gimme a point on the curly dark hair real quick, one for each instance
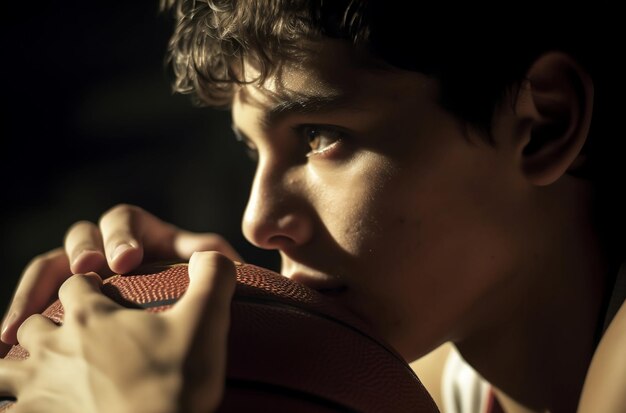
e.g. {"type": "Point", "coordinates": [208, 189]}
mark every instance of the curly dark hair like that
{"type": "Point", "coordinates": [476, 57]}
{"type": "Point", "coordinates": [212, 37]}
{"type": "Point", "coordinates": [475, 66]}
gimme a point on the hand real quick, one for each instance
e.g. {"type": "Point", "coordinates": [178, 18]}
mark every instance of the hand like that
{"type": "Point", "coordinates": [106, 358]}
{"type": "Point", "coordinates": [125, 237]}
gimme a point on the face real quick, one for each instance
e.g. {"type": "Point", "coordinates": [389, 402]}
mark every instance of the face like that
{"type": "Point", "coordinates": [375, 195]}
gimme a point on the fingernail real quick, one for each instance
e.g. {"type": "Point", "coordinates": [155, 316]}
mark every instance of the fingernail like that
{"type": "Point", "coordinates": [6, 323]}
{"type": "Point", "coordinates": [120, 249]}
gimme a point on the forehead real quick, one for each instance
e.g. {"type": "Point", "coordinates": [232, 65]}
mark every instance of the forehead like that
{"type": "Point", "coordinates": [332, 76]}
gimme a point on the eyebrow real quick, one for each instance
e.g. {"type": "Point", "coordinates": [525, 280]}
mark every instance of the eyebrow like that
{"type": "Point", "coordinates": [303, 104]}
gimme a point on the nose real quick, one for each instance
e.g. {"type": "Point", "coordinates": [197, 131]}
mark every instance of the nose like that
{"type": "Point", "coordinates": [276, 216]}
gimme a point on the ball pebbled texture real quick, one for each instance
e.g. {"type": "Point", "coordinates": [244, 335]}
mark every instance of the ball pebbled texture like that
{"type": "Point", "coordinates": [290, 348]}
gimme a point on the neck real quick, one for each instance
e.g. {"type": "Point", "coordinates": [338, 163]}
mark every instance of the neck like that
{"type": "Point", "coordinates": [538, 349]}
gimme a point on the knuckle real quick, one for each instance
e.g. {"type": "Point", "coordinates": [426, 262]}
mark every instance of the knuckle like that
{"type": "Point", "coordinates": [79, 235]}
{"type": "Point", "coordinates": [27, 323]}
{"type": "Point", "coordinates": [72, 283]}
{"type": "Point", "coordinates": [78, 279]}
{"type": "Point", "coordinates": [79, 314]}
{"type": "Point", "coordinates": [88, 308]}
{"type": "Point", "coordinates": [19, 301]}
{"type": "Point", "coordinates": [216, 242]}
{"type": "Point", "coordinates": [22, 377]}
{"type": "Point", "coordinates": [42, 262]}
{"type": "Point", "coordinates": [28, 327]}
{"type": "Point", "coordinates": [67, 284]}
{"type": "Point", "coordinates": [78, 225]}
{"type": "Point", "coordinates": [39, 261]}
{"type": "Point", "coordinates": [215, 259]}
{"type": "Point", "coordinates": [119, 210]}
{"type": "Point", "coordinates": [222, 268]}
{"type": "Point", "coordinates": [46, 265]}
{"type": "Point", "coordinates": [216, 239]}
{"type": "Point", "coordinates": [81, 246]}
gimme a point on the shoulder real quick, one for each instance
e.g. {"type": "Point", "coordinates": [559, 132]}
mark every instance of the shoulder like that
{"type": "Point", "coordinates": [606, 379]}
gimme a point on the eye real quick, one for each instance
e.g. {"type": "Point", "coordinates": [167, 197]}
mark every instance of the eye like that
{"type": "Point", "coordinates": [321, 139]}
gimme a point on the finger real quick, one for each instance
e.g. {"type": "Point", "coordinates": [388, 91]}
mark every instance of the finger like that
{"type": "Point", "coordinates": [186, 243]}
{"type": "Point", "coordinates": [123, 228]}
{"type": "Point", "coordinates": [131, 234]}
{"type": "Point", "coordinates": [37, 287]}
{"type": "Point", "coordinates": [207, 299]}
{"type": "Point", "coordinates": [33, 328]}
{"type": "Point", "coordinates": [81, 297]}
{"type": "Point", "coordinates": [202, 316]}
{"type": "Point", "coordinates": [83, 245]}
{"type": "Point", "coordinates": [12, 375]}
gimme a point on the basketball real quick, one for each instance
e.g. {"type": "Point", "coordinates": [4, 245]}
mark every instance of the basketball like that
{"type": "Point", "coordinates": [290, 349]}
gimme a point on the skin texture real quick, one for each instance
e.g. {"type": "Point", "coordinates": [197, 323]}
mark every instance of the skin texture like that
{"type": "Point", "coordinates": [160, 352]}
{"type": "Point", "coordinates": [410, 203]}
{"type": "Point", "coordinates": [433, 234]}
{"type": "Point", "coordinates": [135, 234]}
{"type": "Point", "coordinates": [604, 386]}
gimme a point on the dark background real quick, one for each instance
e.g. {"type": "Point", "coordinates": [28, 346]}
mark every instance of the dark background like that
{"type": "Point", "coordinates": [89, 121]}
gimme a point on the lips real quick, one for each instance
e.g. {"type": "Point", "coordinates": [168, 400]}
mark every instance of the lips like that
{"type": "Point", "coordinates": [321, 283]}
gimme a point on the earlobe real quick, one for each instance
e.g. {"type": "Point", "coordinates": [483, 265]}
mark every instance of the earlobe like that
{"type": "Point", "coordinates": [553, 109]}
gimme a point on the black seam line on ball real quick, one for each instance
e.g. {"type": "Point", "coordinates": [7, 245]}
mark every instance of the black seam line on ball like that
{"type": "Point", "coordinates": [287, 391]}
{"type": "Point", "coordinates": [273, 303]}
{"type": "Point", "coordinates": [264, 301]}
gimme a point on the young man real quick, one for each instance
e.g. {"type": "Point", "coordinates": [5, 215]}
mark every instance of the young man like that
{"type": "Point", "coordinates": [447, 190]}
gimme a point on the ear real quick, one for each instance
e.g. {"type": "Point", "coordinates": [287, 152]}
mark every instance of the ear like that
{"type": "Point", "coordinates": [552, 115]}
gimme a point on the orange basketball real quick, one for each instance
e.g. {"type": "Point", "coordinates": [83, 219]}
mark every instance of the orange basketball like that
{"type": "Point", "coordinates": [291, 349]}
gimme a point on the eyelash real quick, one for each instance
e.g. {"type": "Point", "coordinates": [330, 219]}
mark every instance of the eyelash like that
{"type": "Point", "coordinates": [300, 131]}
{"type": "Point", "coordinates": [306, 130]}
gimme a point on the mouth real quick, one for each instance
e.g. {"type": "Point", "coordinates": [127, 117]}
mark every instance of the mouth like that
{"type": "Point", "coordinates": [323, 284]}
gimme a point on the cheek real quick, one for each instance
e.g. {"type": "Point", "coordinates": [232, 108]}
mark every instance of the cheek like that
{"type": "Point", "coordinates": [353, 221]}
{"type": "Point", "coordinates": [350, 207]}
{"type": "Point", "coordinates": [428, 257]}
{"type": "Point", "coordinates": [453, 230]}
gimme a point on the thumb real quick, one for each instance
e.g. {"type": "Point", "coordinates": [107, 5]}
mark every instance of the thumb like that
{"type": "Point", "coordinates": [203, 317]}
{"type": "Point", "coordinates": [203, 312]}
